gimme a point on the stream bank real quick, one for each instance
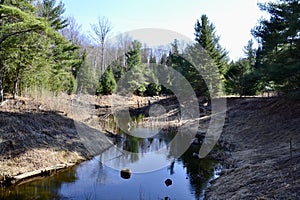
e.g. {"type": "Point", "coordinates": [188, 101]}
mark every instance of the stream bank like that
{"type": "Point", "coordinates": [38, 137]}
{"type": "Point", "coordinates": [261, 150]}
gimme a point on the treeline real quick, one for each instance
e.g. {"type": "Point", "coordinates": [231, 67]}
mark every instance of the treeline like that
{"type": "Point", "coordinates": [33, 54]}
{"type": "Point", "coordinates": [41, 50]}
{"type": "Point", "coordinates": [275, 65]}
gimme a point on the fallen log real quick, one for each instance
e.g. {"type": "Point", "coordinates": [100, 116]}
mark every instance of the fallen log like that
{"type": "Point", "coordinates": [13, 180]}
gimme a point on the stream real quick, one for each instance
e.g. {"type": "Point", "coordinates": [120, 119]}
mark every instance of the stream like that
{"type": "Point", "coordinates": [100, 178]}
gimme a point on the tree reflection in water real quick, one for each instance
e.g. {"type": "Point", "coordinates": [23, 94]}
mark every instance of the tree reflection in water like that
{"type": "Point", "coordinates": [95, 180]}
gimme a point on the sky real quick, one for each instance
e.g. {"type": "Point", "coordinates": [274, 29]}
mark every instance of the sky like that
{"type": "Point", "coordinates": [233, 19]}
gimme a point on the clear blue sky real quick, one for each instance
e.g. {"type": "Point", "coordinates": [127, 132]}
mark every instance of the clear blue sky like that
{"type": "Point", "coordinates": [233, 18]}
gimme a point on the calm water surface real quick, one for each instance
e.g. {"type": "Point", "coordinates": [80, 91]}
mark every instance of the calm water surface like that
{"type": "Point", "coordinates": [100, 178]}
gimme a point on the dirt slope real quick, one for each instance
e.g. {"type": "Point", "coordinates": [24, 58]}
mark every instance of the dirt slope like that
{"type": "Point", "coordinates": [34, 138]}
{"type": "Point", "coordinates": [259, 162]}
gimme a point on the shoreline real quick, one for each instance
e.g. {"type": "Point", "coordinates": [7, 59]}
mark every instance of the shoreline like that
{"type": "Point", "coordinates": [256, 157]}
{"type": "Point", "coordinates": [40, 137]}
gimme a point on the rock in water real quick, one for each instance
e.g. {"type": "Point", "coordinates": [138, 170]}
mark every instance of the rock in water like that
{"type": "Point", "coordinates": [126, 173]}
{"type": "Point", "coordinates": [168, 182]}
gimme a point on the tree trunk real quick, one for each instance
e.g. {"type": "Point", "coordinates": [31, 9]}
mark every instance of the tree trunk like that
{"type": "Point", "coordinates": [102, 61]}
{"type": "Point", "coordinates": [1, 83]}
{"type": "Point", "coordinates": [16, 83]}
{"type": "Point", "coordinates": [1, 63]}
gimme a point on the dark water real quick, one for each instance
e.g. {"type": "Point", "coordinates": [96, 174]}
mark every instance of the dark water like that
{"type": "Point", "coordinates": [100, 178]}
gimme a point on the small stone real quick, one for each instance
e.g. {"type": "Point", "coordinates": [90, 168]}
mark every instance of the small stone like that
{"type": "Point", "coordinates": [126, 173]}
{"type": "Point", "coordinates": [168, 182]}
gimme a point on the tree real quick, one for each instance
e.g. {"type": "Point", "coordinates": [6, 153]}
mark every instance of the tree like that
{"type": "Point", "coordinates": [101, 30]}
{"type": "Point", "coordinates": [85, 83]}
{"type": "Point", "coordinates": [133, 56]}
{"type": "Point", "coordinates": [163, 59]}
{"type": "Point", "coordinates": [72, 31]}
{"type": "Point", "coordinates": [53, 13]}
{"type": "Point", "coordinates": [16, 19]}
{"type": "Point", "coordinates": [278, 58]}
{"type": "Point", "coordinates": [240, 79]}
{"type": "Point", "coordinates": [152, 58]}
{"type": "Point", "coordinates": [250, 52]}
{"type": "Point", "coordinates": [33, 54]}
{"type": "Point", "coordinates": [108, 82]}
{"type": "Point", "coordinates": [205, 35]}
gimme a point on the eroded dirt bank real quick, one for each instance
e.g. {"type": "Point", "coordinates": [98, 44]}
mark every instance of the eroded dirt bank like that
{"type": "Point", "coordinates": [37, 140]}
{"type": "Point", "coordinates": [262, 151]}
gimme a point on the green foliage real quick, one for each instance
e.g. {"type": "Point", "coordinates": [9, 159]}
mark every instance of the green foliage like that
{"type": "Point", "coordinates": [33, 55]}
{"type": "Point", "coordinates": [118, 69]}
{"type": "Point", "coordinates": [201, 72]}
{"type": "Point", "coordinates": [85, 82]}
{"type": "Point", "coordinates": [205, 35]}
{"type": "Point", "coordinates": [250, 53]}
{"type": "Point", "coordinates": [278, 58]}
{"type": "Point", "coordinates": [108, 82]}
{"type": "Point", "coordinates": [53, 13]}
{"type": "Point", "coordinates": [134, 55]}
{"type": "Point", "coordinates": [153, 89]}
{"type": "Point", "coordinates": [138, 74]}
{"type": "Point", "coordinates": [152, 59]}
{"type": "Point", "coordinates": [239, 79]}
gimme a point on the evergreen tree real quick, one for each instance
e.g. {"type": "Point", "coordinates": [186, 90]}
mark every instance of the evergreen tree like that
{"type": "Point", "coordinates": [179, 62]}
{"type": "Point", "coordinates": [133, 57]}
{"type": "Point", "coordinates": [33, 54]}
{"type": "Point", "coordinates": [278, 58]}
{"type": "Point", "coordinates": [152, 59]}
{"type": "Point", "coordinates": [16, 20]}
{"type": "Point", "coordinates": [108, 82]}
{"type": "Point", "coordinates": [250, 52]}
{"type": "Point", "coordinates": [53, 13]}
{"type": "Point", "coordinates": [205, 35]}
{"type": "Point", "coordinates": [163, 60]}
{"type": "Point", "coordinates": [85, 77]}
{"type": "Point", "coordinates": [239, 78]}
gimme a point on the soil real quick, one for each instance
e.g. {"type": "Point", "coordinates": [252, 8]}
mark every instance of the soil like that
{"type": "Point", "coordinates": [261, 157]}
{"type": "Point", "coordinates": [35, 138]}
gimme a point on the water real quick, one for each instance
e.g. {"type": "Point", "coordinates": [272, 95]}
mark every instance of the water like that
{"type": "Point", "coordinates": [100, 178]}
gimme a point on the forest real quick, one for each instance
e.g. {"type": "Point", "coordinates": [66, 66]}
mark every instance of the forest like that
{"type": "Point", "coordinates": [42, 50]}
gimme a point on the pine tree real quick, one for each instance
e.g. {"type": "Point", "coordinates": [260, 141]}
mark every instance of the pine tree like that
{"type": "Point", "coordinates": [85, 83]}
{"type": "Point", "coordinates": [152, 59]}
{"type": "Point", "coordinates": [134, 55]}
{"type": "Point", "coordinates": [108, 82]}
{"type": "Point", "coordinates": [250, 52]}
{"type": "Point", "coordinates": [240, 77]}
{"type": "Point", "coordinates": [53, 13]}
{"type": "Point", "coordinates": [32, 53]}
{"type": "Point", "coordinates": [205, 35]}
{"type": "Point", "coordinates": [16, 20]}
{"type": "Point", "coordinates": [278, 58]}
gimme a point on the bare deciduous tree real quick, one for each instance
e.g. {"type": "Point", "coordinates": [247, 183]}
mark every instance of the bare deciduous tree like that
{"type": "Point", "coordinates": [72, 31]}
{"type": "Point", "coordinates": [101, 30]}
